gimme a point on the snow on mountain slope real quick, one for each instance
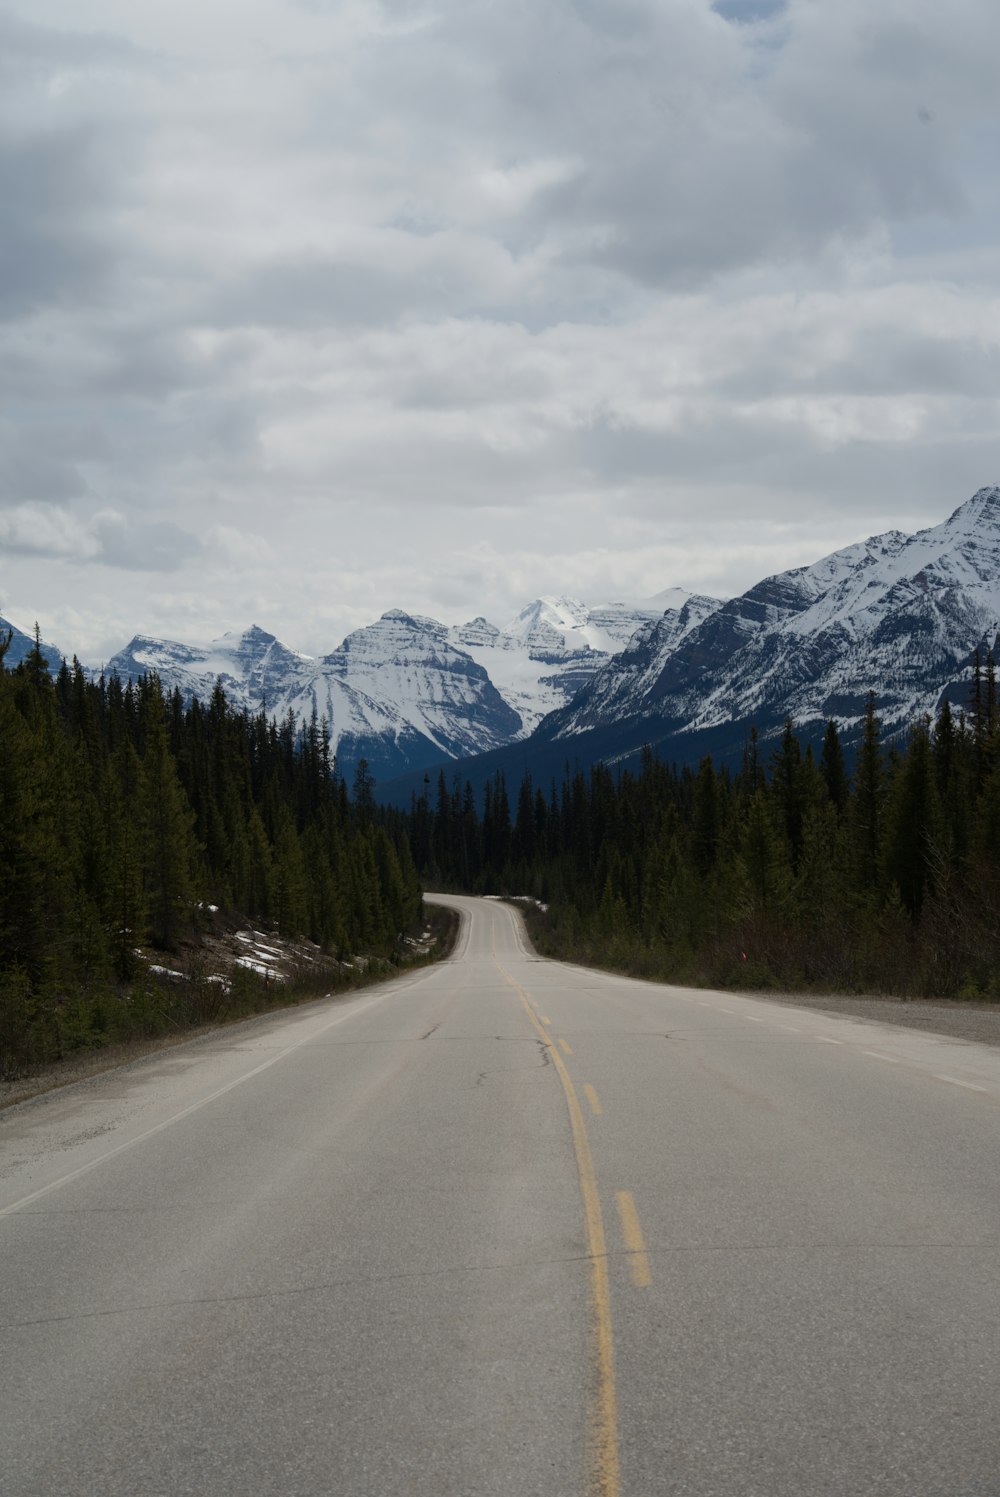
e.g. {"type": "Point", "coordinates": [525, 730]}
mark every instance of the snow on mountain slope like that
{"type": "Point", "coordinates": [549, 651]}
{"type": "Point", "coordinates": [896, 614]}
{"type": "Point", "coordinates": [560, 626]}
{"type": "Point", "coordinates": [444, 694]}
{"type": "Point", "coordinates": [406, 690]}
{"type": "Point", "coordinates": [21, 645]}
{"type": "Point", "coordinates": [395, 693]}
{"type": "Point", "coordinates": [253, 667]}
{"type": "Point", "coordinates": [631, 674]}
{"type": "Point", "coordinates": [672, 598]}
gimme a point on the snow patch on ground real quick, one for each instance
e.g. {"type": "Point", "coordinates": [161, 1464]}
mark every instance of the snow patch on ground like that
{"type": "Point", "coordinates": [518, 899]}
{"type": "Point", "coordinates": [260, 968]}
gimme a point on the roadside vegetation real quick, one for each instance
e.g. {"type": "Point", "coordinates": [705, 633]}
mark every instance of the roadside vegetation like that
{"type": "Point", "coordinates": [135, 831]}
{"type": "Point", "coordinates": [792, 874]}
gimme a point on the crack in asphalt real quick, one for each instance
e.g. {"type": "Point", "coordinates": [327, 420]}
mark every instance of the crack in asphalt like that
{"type": "Point", "coordinates": [615, 1255]}
{"type": "Point", "coordinates": [277, 1294]}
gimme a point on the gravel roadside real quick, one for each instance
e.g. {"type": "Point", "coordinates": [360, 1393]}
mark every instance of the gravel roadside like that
{"type": "Point", "coordinates": [979, 1022]}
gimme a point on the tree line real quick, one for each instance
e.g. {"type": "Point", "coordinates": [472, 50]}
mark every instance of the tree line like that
{"type": "Point", "coordinates": [125, 815]}
{"type": "Point", "coordinates": [791, 872]}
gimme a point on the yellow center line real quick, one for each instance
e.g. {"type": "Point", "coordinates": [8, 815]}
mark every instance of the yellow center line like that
{"type": "Point", "coordinates": [639, 1267]}
{"type": "Point", "coordinates": [544, 1019]}
{"type": "Point", "coordinates": [565, 1046]}
{"type": "Point", "coordinates": [604, 1478]}
{"type": "Point", "coordinates": [592, 1098]}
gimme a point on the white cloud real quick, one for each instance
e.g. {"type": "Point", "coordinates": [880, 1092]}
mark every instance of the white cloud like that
{"type": "Point", "coordinates": [313, 309]}
{"type": "Point", "coordinates": [46, 530]}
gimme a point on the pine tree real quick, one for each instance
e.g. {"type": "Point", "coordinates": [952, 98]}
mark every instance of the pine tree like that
{"type": "Point", "coordinates": [914, 850]}
{"type": "Point", "coordinates": [832, 768]}
{"type": "Point", "coordinates": [167, 823]}
{"type": "Point", "coordinates": [705, 818]}
{"type": "Point", "coordinates": [867, 803]}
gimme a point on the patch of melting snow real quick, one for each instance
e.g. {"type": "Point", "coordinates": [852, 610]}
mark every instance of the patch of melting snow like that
{"type": "Point", "coordinates": [259, 968]}
{"type": "Point", "coordinates": [165, 972]}
{"type": "Point", "coordinates": [260, 945]}
{"type": "Point", "coordinates": [519, 899]}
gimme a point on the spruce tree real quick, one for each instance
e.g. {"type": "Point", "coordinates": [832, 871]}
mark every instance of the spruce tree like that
{"type": "Point", "coordinates": [167, 822]}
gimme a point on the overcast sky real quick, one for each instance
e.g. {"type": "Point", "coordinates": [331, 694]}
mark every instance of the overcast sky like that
{"type": "Point", "coordinates": [314, 308]}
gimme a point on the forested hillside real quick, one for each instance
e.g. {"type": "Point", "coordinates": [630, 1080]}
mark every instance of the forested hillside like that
{"type": "Point", "coordinates": [124, 818]}
{"type": "Point", "coordinates": [791, 873]}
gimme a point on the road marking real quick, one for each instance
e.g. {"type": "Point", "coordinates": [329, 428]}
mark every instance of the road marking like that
{"type": "Point", "coordinates": [185, 1112]}
{"type": "Point", "coordinates": [827, 1040]}
{"type": "Point", "coordinates": [592, 1098]}
{"type": "Point", "coordinates": [751, 1020]}
{"type": "Point", "coordinates": [955, 1081]}
{"type": "Point", "coordinates": [544, 1019]}
{"type": "Point", "coordinates": [639, 1267]}
{"type": "Point", "coordinates": [604, 1479]}
{"type": "Point", "coordinates": [565, 1046]}
{"type": "Point", "coordinates": [725, 1010]}
{"type": "Point", "coordinates": [793, 1028]}
{"type": "Point", "coordinates": [890, 1060]}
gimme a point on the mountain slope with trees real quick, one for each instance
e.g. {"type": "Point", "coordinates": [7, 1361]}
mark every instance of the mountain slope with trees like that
{"type": "Point", "coordinates": [125, 815]}
{"type": "Point", "coordinates": [789, 873]}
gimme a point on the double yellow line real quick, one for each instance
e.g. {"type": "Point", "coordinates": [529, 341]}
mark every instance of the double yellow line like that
{"type": "Point", "coordinates": [602, 1428]}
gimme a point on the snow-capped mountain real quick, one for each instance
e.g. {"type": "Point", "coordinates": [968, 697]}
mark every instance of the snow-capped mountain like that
{"type": "Point", "coordinates": [21, 645]}
{"type": "Point", "coordinates": [253, 667]}
{"type": "Point", "coordinates": [405, 691]}
{"type": "Point", "coordinates": [898, 615]}
{"type": "Point", "coordinates": [549, 651]}
{"type": "Point", "coordinates": [404, 679]}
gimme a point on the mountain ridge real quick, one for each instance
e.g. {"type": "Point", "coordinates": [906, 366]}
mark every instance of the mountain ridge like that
{"type": "Point", "coordinates": [406, 690]}
{"type": "Point", "coordinates": [895, 613]}
{"type": "Point", "coordinates": [898, 614]}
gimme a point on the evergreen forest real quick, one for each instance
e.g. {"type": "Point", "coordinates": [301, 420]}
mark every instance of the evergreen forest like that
{"type": "Point", "coordinates": [792, 873]}
{"type": "Point", "coordinates": [126, 818]}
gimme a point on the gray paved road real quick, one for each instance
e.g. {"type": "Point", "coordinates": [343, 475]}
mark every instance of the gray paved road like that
{"type": "Point", "coordinates": [509, 1226]}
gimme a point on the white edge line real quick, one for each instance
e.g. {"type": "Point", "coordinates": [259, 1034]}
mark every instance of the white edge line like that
{"type": "Point", "coordinates": [185, 1112]}
{"type": "Point", "coordinates": [956, 1081]}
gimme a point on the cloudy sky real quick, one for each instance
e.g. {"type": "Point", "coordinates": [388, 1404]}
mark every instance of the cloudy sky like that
{"type": "Point", "coordinates": [313, 308]}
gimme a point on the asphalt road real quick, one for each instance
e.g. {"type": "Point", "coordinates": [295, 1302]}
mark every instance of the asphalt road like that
{"type": "Point", "coordinates": [508, 1226]}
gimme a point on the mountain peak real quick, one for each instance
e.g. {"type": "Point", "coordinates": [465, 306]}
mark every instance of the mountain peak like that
{"type": "Point", "coordinates": [896, 613]}
{"type": "Point", "coordinates": [255, 635]}
{"type": "Point", "coordinates": [21, 645]}
{"type": "Point", "coordinates": [984, 505]}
